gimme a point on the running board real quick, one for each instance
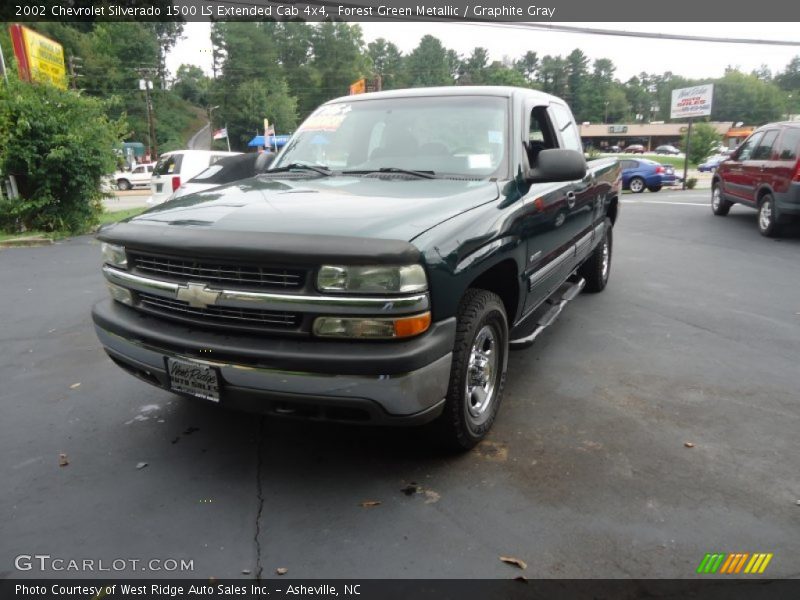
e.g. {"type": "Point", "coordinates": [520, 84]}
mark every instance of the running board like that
{"type": "Point", "coordinates": [557, 302]}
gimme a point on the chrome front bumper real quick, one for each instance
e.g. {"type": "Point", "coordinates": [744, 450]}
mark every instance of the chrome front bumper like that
{"type": "Point", "coordinates": [409, 398]}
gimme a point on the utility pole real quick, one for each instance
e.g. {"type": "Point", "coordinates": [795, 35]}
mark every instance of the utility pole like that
{"type": "Point", "coordinates": [688, 146]}
{"type": "Point", "coordinates": [74, 64]}
{"type": "Point", "coordinates": [146, 85]}
{"type": "Point", "coordinates": [3, 65]}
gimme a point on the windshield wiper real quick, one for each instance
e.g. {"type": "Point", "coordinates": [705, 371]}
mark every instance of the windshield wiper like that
{"type": "Point", "coordinates": [321, 169]}
{"type": "Point", "coordinates": [423, 174]}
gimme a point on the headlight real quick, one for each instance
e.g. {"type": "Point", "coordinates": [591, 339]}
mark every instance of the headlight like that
{"type": "Point", "coordinates": [372, 279]}
{"type": "Point", "coordinates": [372, 328]}
{"type": "Point", "coordinates": [114, 255]}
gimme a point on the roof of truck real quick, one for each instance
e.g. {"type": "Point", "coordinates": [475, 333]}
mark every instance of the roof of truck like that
{"type": "Point", "coordinates": [467, 90]}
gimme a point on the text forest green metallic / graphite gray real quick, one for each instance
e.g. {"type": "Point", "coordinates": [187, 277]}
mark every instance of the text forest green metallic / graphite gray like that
{"type": "Point", "coordinates": [225, 278]}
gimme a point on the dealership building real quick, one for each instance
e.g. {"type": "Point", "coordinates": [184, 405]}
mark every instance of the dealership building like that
{"type": "Point", "coordinates": [651, 135]}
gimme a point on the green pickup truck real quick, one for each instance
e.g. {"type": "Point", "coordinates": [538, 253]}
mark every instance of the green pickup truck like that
{"type": "Point", "coordinates": [378, 272]}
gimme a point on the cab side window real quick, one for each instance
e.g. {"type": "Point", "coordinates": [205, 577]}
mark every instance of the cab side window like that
{"type": "Point", "coordinates": [787, 147]}
{"type": "Point", "coordinates": [747, 147]}
{"type": "Point", "coordinates": [566, 127]}
{"type": "Point", "coordinates": [540, 134]}
{"type": "Point", "coordinates": [764, 149]}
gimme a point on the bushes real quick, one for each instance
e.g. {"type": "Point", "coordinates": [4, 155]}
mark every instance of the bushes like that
{"type": "Point", "coordinates": [58, 145]}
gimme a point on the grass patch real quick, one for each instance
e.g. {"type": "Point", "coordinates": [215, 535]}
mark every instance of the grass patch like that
{"type": "Point", "coordinates": [119, 215]}
{"type": "Point", "coordinates": [10, 236]}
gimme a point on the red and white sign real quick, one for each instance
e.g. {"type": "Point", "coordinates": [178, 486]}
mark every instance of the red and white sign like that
{"type": "Point", "coordinates": [221, 134]}
{"type": "Point", "coordinates": [692, 102]}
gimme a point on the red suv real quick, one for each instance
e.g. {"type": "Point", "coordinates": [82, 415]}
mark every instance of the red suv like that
{"type": "Point", "coordinates": [762, 173]}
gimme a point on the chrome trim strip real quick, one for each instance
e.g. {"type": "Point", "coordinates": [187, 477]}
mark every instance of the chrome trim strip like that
{"type": "Point", "coordinates": [554, 264]}
{"type": "Point", "coordinates": [335, 305]}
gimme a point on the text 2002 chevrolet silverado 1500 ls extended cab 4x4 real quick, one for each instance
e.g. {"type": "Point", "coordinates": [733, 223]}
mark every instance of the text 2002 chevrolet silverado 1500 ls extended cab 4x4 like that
{"type": "Point", "coordinates": [380, 269]}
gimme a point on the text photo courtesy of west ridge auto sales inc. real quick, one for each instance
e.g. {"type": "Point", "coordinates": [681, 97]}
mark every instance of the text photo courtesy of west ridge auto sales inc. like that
{"type": "Point", "coordinates": [399, 300]}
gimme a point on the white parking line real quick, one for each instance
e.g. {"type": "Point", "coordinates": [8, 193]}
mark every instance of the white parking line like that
{"type": "Point", "coordinates": [665, 202]}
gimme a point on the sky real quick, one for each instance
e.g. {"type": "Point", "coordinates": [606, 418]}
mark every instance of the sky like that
{"type": "Point", "coordinates": [630, 55]}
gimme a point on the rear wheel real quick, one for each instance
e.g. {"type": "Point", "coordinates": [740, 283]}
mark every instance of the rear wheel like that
{"type": "Point", "coordinates": [478, 373]}
{"type": "Point", "coordinates": [123, 184]}
{"type": "Point", "coordinates": [596, 269]}
{"type": "Point", "coordinates": [719, 206]}
{"type": "Point", "coordinates": [767, 220]}
{"type": "Point", "coordinates": [637, 185]}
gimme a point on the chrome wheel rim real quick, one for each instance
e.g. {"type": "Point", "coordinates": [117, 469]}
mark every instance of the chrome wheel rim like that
{"type": "Point", "coordinates": [765, 215]}
{"type": "Point", "coordinates": [637, 185]}
{"type": "Point", "coordinates": [606, 260]}
{"type": "Point", "coordinates": [483, 370]}
{"type": "Point", "coordinates": [560, 218]}
{"type": "Point", "coordinates": [715, 199]}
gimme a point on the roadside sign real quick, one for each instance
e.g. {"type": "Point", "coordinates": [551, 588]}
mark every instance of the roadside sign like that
{"type": "Point", "coordinates": [39, 58]}
{"type": "Point", "coordinates": [358, 87]}
{"type": "Point", "coordinates": [692, 102]}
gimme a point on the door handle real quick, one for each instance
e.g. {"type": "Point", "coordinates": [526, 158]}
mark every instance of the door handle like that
{"type": "Point", "coordinates": [570, 198]}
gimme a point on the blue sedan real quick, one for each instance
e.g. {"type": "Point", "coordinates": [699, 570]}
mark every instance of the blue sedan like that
{"type": "Point", "coordinates": [642, 173]}
{"type": "Point", "coordinates": [711, 163]}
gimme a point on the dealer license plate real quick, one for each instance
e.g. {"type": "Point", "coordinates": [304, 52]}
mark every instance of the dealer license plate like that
{"type": "Point", "coordinates": [197, 379]}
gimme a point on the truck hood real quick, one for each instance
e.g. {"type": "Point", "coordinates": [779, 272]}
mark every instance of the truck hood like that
{"type": "Point", "coordinates": [362, 207]}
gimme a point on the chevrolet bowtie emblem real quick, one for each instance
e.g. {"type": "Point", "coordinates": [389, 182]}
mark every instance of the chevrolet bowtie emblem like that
{"type": "Point", "coordinates": [197, 295]}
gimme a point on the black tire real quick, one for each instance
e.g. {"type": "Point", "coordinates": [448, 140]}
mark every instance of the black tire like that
{"type": "Point", "coordinates": [636, 185]}
{"type": "Point", "coordinates": [767, 219]}
{"type": "Point", "coordinates": [462, 424]}
{"type": "Point", "coordinates": [123, 184]}
{"type": "Point", "coordinates": [655, 188]}
{"type": "Point", "coordinates": [597, 268]}
{"type": "Point", "coordinates": [719, 206]}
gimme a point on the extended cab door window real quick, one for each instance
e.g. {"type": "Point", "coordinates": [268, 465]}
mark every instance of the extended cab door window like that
{"type": "Point", "coordinates": [787, 148]}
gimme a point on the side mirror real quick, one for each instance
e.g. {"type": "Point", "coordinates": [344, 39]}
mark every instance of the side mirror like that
{"type": "Point", "coordinates": [263, 161]}
{"type": "Point", "coordinates": [558, 165]}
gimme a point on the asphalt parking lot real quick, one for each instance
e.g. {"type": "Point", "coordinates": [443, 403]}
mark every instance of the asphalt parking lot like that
{"type": "Point", "coordinates": [653, 423]}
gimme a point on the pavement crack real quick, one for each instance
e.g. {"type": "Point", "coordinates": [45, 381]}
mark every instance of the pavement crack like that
{"type": "Point", "coordinates": [259, 496]}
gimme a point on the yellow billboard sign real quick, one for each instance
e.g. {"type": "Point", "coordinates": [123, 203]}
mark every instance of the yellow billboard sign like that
{"type": "Point", "coordinates": [40, 58]}
{"type": "Point", "coordinates": [358, 87]}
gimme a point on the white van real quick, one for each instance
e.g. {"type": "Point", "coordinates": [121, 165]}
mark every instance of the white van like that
{"type": "Point", "coordinates": [179, 166]}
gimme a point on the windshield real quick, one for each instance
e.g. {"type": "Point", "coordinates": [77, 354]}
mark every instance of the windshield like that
{"type": "Point", "coordinates": [463, 136]}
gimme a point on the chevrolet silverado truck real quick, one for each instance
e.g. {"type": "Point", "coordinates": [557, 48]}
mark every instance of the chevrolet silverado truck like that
{"type": "Point", "coordinates": [378, 272]}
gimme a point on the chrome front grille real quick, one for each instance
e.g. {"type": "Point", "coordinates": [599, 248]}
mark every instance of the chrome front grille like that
{"type": "Point", "coordinates": [222, 275]}
{"type": "Point", "coordinates": [241, 318]}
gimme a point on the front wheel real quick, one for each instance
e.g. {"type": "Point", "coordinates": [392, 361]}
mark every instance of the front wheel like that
{"type": "Point", "coordinates": [637, 185]}
{"type": "Point", "coordinates": [478, 372]}
{"type": "Point", "coordinates": [123, 184]}
{"type": "Point", "coordinates": [596, 269]}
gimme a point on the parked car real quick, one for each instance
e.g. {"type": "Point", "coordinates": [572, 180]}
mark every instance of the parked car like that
{"type": "Point", "coordinates": [763, 173]}
{"type": "Point", "coordinates": [614, 149]}
{"type": "Point", "coordinates": [178, 166]}
{"type": "Point", "coordinates": [710, 164]}
{"type": "Point", "coordinates": [226, 170]}
{"type": "Point", "coordinates": [137, 177]}
{"type": "Point", "coordinates": [634, 149]}
{"type": "Point", "coordinates": [387, 289]}
{"type": "Point", "coordinates": [667, 149]}
{"type": "Point", "coordinates": [641, 174]}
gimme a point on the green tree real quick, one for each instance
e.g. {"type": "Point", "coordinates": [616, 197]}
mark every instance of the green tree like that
{"type": "Point", "coordinates": [338, 57]}
{"type": "Point", "coordinates": [192, 85]}
{"type": "Point", "coordinates": [429, 64]}
{"type": "Point", "coordinates": [578, 83]}
{"type": "Point", "coordinates": [528, 66]}
{"type": "Point", "coordinates": [704, 139]}
{"type": "Point", "coordinates": [387, 62]}
{"type": "Point", "coordinates": [741, 97]}
{"type": "Point", "coordinates": [58, 145]}
{"type": "Point", "coordinates": [252, 102]}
